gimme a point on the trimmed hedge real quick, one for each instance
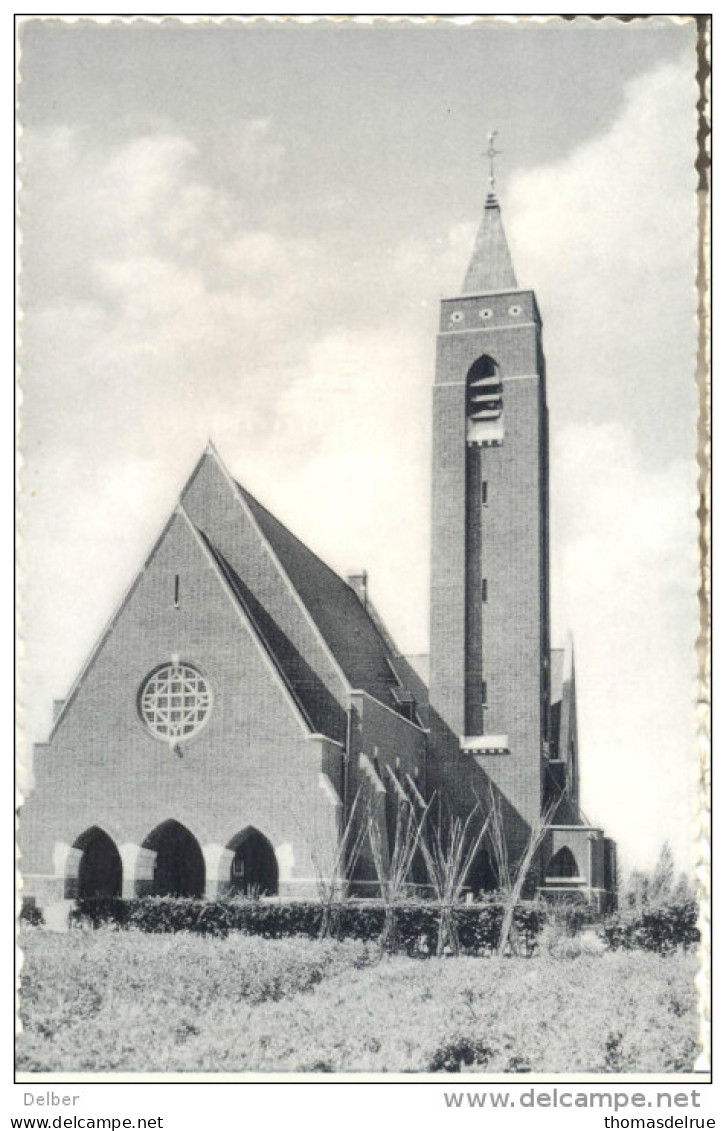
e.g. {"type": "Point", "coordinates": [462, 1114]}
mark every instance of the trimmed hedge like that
{"type": "Point", "coordinates": [31, 914]}
{"type": "Point", "coordinates": [417, 924]}
{"type": "Point", "coordinates": [659, 929]}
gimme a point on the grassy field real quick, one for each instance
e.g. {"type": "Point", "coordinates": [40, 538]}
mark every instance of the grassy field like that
{"type": "Point", "coordinates": [119, 1000]}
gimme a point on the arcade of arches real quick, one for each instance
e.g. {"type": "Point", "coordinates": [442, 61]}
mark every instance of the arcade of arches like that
{"type": "Point", "coordinates": [169, 862]}
{"type": "Point", "coordinates": [172, 862]}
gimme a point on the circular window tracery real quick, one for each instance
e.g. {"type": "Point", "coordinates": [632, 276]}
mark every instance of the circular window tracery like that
{"type": "Point", "coordinates": [174, 701]}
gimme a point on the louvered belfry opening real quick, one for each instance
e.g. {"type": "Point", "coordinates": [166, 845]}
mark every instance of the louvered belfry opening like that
{"type": "Point", "coordinates": [484, 390]}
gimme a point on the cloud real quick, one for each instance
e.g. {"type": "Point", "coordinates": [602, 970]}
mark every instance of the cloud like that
{"type": "Point", "coordinates": [166, 303]}
{"type": "Point", "coordinates": [625, 581]}
{"type": "Point", "coordinates": [161, 293]}
{"type": "Point", "coordinates": [353, 444]}
{"type": "Point", "coordinates": [621, 353]}
{"type": "Point", "coordinates": [615, 272]}
{"type": "Point", "coordinates": [169, 319]}
{"type": "Point", "coordinates": [614, 275]}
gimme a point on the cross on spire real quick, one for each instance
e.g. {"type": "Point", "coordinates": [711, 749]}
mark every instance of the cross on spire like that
{"type": "Point", "coordinates": [490, 268]}
{"type": "Point", "coordinates": [491, 153]}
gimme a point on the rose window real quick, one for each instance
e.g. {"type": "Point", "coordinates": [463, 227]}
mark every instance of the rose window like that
{"type": "Point", "coordinates": [175, 701]}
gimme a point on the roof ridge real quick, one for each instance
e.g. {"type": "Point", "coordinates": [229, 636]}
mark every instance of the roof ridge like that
{"type": "Point", "coordinates": [364, 649]}
{"type": "Point", "coordinates": [243, 496]}
{"type": "Point", "coordinates": [355, 648]}
{"type": "Point", "coordinates": [224, 570]}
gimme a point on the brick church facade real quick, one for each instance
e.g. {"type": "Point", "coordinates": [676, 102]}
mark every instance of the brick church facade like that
{"type": "Point", "coordinates": [244, 699]}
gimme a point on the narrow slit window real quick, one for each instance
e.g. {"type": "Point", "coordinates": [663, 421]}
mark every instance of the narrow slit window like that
{"type": "Point", "coordinates": [484, 494]}
{"type": "Point", "coordinates": [484, 693]}
{"type": "Point", "coordinates": [176, 590]}
{"type": "Point", "coordinates": [484, 589]}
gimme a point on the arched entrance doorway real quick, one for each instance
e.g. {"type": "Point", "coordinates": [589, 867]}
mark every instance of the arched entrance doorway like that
{"type": "Point", "coordinates": [179, 864]}
{"type": "Point", "coordinates": [254, 867]}
{"type": "Point", "coordinates": [96, 873]}
{"type": "Point", "coordinates": [563, 866]}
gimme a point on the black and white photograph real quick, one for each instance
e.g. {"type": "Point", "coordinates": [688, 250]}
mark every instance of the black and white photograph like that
{"type": "Point", "coordinates": [362, 491]}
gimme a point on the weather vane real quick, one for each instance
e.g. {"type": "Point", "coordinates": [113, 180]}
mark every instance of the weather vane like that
{"type": "Point", "coordinates": [491, 153]}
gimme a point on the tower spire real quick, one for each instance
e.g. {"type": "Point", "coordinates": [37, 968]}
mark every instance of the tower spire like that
{"type": "Point", "coordinates": [491, 267]}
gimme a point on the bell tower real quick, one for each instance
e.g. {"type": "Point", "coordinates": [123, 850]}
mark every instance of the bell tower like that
{"type": "Point", "coordinates": [489, 679]}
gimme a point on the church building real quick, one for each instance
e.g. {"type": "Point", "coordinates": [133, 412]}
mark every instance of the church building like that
{"type": "Point", "coordinates": [244, 700]}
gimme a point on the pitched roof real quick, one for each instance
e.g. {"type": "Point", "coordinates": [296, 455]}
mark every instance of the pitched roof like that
{"type": "Point", "coordinates": [491, 267]}
{"type": "Point", "coordinates": [340, 617]}
{"type": "Point", "coordinates": [270, 574]}
{"type": "Point", "coordinates": [316, 703]}
{"type": "Point", "coordinates": [185, 537]}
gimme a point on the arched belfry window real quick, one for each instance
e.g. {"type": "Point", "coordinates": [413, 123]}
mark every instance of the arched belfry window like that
{"type": "Point", "coordinates": [484, 402]}
{"type": "Point", "coordinates": [483, 390]}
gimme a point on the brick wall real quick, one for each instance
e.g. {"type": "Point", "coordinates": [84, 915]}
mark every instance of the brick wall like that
{"type": "Point", "coordinates": [215, 508]}
{"type": "Point", "coordinates": [586, 844]}
{"type": "Point", "coordinates": [383, 734]}
{"type": "Point", "coordinates": [252, 762]}
{"type": "Point", "coordinates": [511, 629]}
{"type": "Point", "coordinates": [385, 741]}
{"type": "Point", "coordinates": [448, 557]}
{"type": "Point", "coordinates": [504, 640]}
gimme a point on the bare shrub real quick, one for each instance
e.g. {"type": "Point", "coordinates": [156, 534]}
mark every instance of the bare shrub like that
{"type": "Point", "coordinates": [448, 857]}
{"type": "Point", "coordinates": [393, 880]}
{"type": "Point", "coordinates": [333, 872]}
{"type": "Point", "coordinates": [512, 880]}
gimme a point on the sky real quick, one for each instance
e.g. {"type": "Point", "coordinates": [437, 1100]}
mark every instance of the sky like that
{"type": "Point", "coordinates": [241, 230]}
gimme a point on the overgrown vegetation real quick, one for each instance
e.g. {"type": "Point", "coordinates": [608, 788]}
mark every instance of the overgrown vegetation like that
{"type": "Point", "coordinates": [164, 984]}
{"type": "Point", "coordinates": [111, 999]}
{"type": "Point", "coordinates": [661, 929]}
